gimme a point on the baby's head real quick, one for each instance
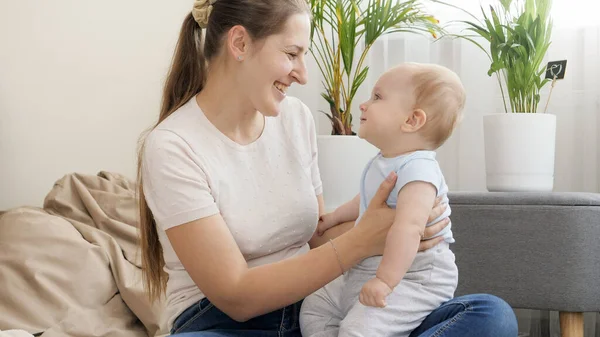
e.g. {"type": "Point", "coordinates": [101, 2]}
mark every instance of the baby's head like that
{"type": "Point", "coordinates": [417, 105]}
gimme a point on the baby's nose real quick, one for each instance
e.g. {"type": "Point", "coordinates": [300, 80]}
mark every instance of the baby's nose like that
{"type": "Point", "coordinates": [363, 107]}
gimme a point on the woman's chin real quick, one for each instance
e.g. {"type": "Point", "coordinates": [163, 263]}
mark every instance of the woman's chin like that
{"type": "Point", "coordinates": [271, 114]}
{"type": "Point", "coordinates": [271, 110]}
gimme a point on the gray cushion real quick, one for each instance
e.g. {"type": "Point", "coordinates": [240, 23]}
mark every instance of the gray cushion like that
{"type": "Point", "coordinates": [535, 250]}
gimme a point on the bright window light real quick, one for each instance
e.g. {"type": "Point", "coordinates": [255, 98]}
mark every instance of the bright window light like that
{"type": "Point", "coordinates": [565, 13]}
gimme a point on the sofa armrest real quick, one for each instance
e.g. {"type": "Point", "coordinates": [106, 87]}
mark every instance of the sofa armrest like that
{"type": "Point", "coordinates": [534, 250]}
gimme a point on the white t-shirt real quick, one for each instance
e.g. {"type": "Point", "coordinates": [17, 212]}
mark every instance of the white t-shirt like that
{"type": "Point", "coordinates": [265, 191]}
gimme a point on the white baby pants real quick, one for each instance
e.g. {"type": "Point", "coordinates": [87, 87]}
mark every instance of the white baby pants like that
{"type": "Point", "coordinates": [334, 310]}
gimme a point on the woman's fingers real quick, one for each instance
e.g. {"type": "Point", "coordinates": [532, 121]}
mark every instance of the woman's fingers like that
{"type": "Point", "coordinates": [377, 219]}
{"type": "Point", "coordinates": [428, 244]}
{"type": "Point", "coordinates": [435, 228]}
{"type": "Point", "coordinates": [431, 231]}
{"type": "Point", "coordinates": [437, 211]}
{"type": "Point", "coordinates": [383, 191]}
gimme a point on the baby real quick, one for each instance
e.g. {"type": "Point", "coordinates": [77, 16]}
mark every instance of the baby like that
{"type": "Point", "coordinates": [412, 111]}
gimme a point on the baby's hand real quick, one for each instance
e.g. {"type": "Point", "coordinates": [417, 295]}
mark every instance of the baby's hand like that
{"type": "Point", "coordinates": [374, 292]}
{"type": "Point", "coordinates": [326, 221]}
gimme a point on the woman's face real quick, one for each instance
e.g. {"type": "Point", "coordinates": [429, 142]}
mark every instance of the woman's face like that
{"type": "Point", "coordinates": [276, 63]}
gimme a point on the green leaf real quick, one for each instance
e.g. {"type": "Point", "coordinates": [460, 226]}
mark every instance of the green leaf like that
{"type": "Point", "coordinates": [499, 31]}
{"type": "Point", "coordinates": [347, 22]}
{"type": "Point", "coordinates": [495, 67]}
{"type": "Point", "coordinates": [360, 78]}
{"type": "Point", "coordinates": [478, 29]}
{"type": "Point", "coordinates": [506, 4]}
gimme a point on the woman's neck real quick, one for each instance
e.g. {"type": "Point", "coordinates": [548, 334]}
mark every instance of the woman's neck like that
{"type": "Point", "coordinates": [228, 109]}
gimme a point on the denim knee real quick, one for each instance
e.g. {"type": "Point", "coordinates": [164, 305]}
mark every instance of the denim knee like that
{"type": "Point", "coordinates": [500, 317]}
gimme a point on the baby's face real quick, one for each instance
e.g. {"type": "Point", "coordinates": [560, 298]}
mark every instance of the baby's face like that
{"type": "Point", "coordinates": [392, 101]}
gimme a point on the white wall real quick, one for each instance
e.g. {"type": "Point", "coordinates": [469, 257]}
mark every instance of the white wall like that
{"type": "Point", "coordinates": [79, 81]}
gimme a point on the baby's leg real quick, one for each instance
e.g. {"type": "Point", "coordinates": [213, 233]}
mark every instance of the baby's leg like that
{"type": "Point", "coordinates": [320, 315]}
{"type": "Point", "coordinates": [430, 282]}
{"type": "Point", "coordinates": [406, 308]}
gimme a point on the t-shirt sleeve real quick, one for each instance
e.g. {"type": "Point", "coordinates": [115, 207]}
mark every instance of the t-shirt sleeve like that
{"type": "Point", "coordinates": [419, 169]}
{"type": "Point", "coordinates": [175, 185]}
{"type": "Point", "coordinates": [314, 152]}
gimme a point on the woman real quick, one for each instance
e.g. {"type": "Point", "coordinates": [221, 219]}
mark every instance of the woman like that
{"type": "Point", "coordinates": [230, 192]}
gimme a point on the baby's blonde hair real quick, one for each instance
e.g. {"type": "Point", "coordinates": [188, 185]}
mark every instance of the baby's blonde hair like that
{"type": "Point", "coordinates": [439, 92]}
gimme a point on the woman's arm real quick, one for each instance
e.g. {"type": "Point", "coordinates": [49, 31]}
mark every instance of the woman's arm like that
{"type": "Point", "coordinates": [210, 255]}
{"type": "Point", "coordinates": [438, 209]}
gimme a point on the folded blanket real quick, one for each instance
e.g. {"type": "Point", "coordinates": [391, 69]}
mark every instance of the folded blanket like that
{"type": "Point", "coordinates": [14, 333]}
{"type": "Point", "coordinates": [73, 267]}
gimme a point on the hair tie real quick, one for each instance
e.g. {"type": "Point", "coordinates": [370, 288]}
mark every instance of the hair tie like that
{"type": "Point", "coordinates": [201, 11]}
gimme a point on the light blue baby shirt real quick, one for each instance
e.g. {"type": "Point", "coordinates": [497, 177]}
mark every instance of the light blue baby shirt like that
{"type": "Point", "coordinates": [414, 166]}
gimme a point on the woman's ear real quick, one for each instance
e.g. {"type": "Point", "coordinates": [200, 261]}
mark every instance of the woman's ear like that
{"type": "Point", "coordinates": [238, 42]}
{"type": "Point", "coordinates": [414, 121]}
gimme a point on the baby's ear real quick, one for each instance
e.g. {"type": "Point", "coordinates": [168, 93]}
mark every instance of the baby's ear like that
{"type": "Point", "coordinates": [415, 121]}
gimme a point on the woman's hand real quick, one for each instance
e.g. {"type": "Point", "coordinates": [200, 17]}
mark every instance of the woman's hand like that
{"type": "Point", "coordinates": [377, 218]}
{"type": "Point", "coordinates": [438, 209]}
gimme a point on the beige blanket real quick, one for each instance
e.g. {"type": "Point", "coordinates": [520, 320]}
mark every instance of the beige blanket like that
{"type": "Point", "coordinates": [73, 267]}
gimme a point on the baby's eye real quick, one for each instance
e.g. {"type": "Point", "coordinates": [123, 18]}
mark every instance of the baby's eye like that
{"type": "Point", "coordinates": [377, 96]}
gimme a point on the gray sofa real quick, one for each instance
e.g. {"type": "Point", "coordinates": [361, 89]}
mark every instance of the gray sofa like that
{"type": "Point", "coordinates": [535, 250]}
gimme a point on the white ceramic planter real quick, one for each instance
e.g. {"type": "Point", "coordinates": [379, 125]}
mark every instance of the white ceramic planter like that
{"type": "Point", "coordinates": [519, 152]}
{"type": "Point", "coordinates": [341, 162]}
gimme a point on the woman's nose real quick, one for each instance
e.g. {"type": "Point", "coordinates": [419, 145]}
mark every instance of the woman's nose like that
{"type": "Point", "coordinates": [300, 74]}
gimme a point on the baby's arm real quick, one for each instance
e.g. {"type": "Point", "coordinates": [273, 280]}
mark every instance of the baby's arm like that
{"type": "Point", "coordinates": [415, 200]}
{"type": "Point", "coordinates": [414, 204]}
{"type": "Point", "coordinates": [346, 212]}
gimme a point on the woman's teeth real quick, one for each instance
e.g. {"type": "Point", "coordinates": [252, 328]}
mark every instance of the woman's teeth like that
{"type": "Point", "coordinates": [281, 87]}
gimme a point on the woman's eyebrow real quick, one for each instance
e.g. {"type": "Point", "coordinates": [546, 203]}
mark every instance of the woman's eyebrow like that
{"type": "Point", "coordinates": [298, 48]}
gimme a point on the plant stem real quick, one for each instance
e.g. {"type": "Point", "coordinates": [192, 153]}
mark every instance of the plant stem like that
{"type": "Point", "coordinates": [502, 91]}
{"type": "Point", "coordinates": [550, 95]}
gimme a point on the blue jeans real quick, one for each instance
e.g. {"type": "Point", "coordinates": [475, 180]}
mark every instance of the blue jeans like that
{"type": "Point", "coordinates": [478, 315]}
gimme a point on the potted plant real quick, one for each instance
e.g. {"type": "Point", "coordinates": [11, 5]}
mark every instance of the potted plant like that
{"type": "Point", "coordinates": [519, 143]}
{"type": "Point", "coordinates": [342, 34]}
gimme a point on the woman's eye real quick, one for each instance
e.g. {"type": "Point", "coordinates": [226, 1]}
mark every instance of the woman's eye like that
{"type": "Point", "coordinates": [292, 56]}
